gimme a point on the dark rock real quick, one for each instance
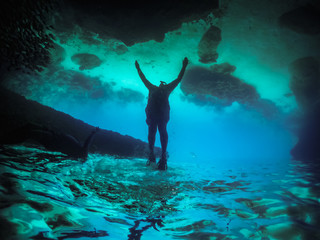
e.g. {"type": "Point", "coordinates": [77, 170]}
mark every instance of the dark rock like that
{"type": "Point", "coordinates": [60, 220]}
{"type": "Point", "coordinates": [305, 19]}
{"type": "Point", "coordinates": [41, 207]}
{"type": "Point", "coordinates": [199, 80]}
{"type": "Point", "coordinates": [266, 107]}
{"type": "Point", "coordinates": [131, 22]}
{"type": "Point", "coordinates": [308, 145]}
{"type": "Point", "coordinates": [129, 95]}
{"type": "Point", "coordinates": [217, 87]}
{"type": "Point", "coordinates": [305, 81]}
{"type": "Point", "coordinates": [224, 68]}
{"type": "Point", "coordinates": [16, 111]}
{"type": "Point", "coordinates": [207, 49]}
{"type": "Point", "coordinates": [305, 84]}
{"type": "Point", "coordinates": [206, 100]}
{"type": "Point", "coordinates": [86, 60]}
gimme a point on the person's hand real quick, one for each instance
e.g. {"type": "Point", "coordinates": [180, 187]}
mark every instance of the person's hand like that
{"type": "Point", "coordinates": [137, 64]}
{"type": "Point", "coordinates": [185, 61]}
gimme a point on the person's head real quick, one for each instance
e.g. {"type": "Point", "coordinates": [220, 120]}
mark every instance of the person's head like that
{"type": "Point", "coordinates": [162, 83]}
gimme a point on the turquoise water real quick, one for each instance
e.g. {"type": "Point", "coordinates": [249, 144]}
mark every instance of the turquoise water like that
{"type": "Point", "coordinates": [230, 171]}
{"type": "Point", "coordinates": [45, 195]}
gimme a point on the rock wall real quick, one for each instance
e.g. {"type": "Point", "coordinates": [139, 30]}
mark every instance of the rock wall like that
{"type": "Point", "coordinates": [17, 111]}
{"type": "Point", "coordinates": [305, 84]}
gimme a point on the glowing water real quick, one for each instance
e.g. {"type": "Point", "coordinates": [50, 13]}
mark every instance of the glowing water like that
{"type": "Point", "coordinates": [213, 134]}
{"type": "Point", "coordinates": [108, 198]}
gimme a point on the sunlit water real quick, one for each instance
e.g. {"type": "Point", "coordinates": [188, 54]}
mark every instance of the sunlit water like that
{"type": "Point", "coordinates": [45, 195]}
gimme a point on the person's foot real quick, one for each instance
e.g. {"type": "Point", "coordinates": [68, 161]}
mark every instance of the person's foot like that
{"type": "Point", "coordinates": [162, 164]}
{"type": "Point", "coordinates": [152, 159]}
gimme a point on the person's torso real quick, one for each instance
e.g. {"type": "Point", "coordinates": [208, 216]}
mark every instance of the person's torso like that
{"type": "Point", "coordinates": [158, 100]}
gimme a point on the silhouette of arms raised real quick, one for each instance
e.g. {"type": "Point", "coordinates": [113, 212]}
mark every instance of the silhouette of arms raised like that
{"type": "Point", "coordinates": [143, 78]}
{"type": "Point", "coordinates": [175, 83]}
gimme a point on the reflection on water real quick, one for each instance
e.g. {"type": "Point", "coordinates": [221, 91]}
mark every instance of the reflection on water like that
{"type": "Point", "coordinates": [45, 195]}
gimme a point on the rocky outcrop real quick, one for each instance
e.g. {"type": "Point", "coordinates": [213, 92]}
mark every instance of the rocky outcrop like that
{"type": "Point", "coordinates": [308, 145]}
{"type": "Point", "coordinates": [207, 49]}
{"type": "Point", "coordinates": [130, 22]}
{"type": "Point", "coordinates": [223, 68]}
{"type": "Point", "coordinates": [86, 61]}
{"type": "Point", "coordinates": [305, 84]}
{"type": "Point", "coordinates": [304, 19]}
{"type": "Point", "coordinates": [217, 87]}
{"type": "Point", "coordinates": [305, 81]}
{"type": "Point", "coordinates": [28, 28]}
{"type": "Point", "coordinates": [16, 111]}
{"type": "Point", "coordinates": [218, 83]}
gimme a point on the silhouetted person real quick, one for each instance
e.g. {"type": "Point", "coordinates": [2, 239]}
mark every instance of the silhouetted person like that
{"type": "Point", "coordinates": [157, 112]}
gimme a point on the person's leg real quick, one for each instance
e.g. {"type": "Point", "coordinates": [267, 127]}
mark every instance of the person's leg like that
{"type": "Point", "coordinates": [163, 138]}
{"type": "Point", "coordinates": [151, 139]}
{"type": "Point", "coordinates": [164, 143]}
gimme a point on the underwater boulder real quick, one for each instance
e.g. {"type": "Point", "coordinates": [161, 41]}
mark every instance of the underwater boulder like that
{"type": "Point", "coordinates": [86, 61]}
{"type": "Point", "coordinates": [207, 48]}
{"type": "Point", "coordinates": [203, 81]}
{"type": "Point", "coordinates": [217, 87]}
{"type": "Point", "coordinates": [129, 95]}
{"type": "Point", "coordinates": [305, 81]}
{"type": "Point", "coordinates": [18, 112]}
{"type": "Point", "coordinates": [304, 19]}
{"type": "Point", "coordinates": [305, 85]}
{"type": "Point", "coordinates": [224, 68]}
{"type": "Point", "coordinates": [308, 145]}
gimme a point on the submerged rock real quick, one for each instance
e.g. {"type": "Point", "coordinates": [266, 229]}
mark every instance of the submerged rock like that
{"type": "Point", "coordinates": [224, 68]}
{"type": "Point", "coordinates": [308, 146]}
{"type": "Point", "coordinates": [131, 22]}
{"type": "Point", "coordinates": [86, 61]}
{"type": "Point", "coordinates": [17, 112]}
{"type": "Point", "coordinates": [207, 49]}
{"type": "Point", "coordinates": [305, 80]}
{"type": "Point", "coordinates": [304, 19]}
{"type": "Point", "coordinates": [217, 87]}
{"type": "Point", "coordinates": [223, 86]}
{"type": "Point", "coordinates": [305, 84]}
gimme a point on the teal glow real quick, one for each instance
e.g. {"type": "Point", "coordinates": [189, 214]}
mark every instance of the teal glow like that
{"type": "Point", "coordinates": [211, 134]}
{"type": "Point", "coordinates": [230, 174]}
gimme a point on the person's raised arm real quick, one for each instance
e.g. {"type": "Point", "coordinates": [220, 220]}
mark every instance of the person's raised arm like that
{"type": "Point", "coordinates": [175, 83]}
{"type": "Point", "coordinates": [143, 78]}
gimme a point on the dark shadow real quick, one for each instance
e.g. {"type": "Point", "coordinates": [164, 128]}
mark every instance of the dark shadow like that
{"type": "Point", "coordinates": [136, 234]}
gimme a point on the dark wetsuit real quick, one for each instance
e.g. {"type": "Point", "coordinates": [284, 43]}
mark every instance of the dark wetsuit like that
{"type": "Point", "coordinates": [158, 112]}
{"type": "Point", "coordinates": [158, 108]}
